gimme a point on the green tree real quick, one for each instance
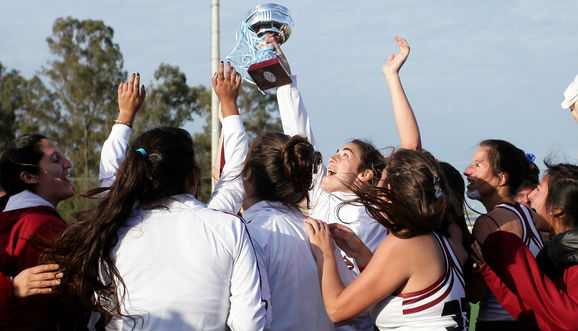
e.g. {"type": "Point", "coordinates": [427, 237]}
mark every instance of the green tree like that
{"type": "Point", "coordinates": [11, 100]}
{"type": "Point", "coordinates": [84, 74]}
{"type": "Point", "coordinates": [39, 111]}
{"type": "Point", "coordinates": [170, 101]}
{"type": "Point", "coordinates": [259, 111]}
{"type": "Point", "coordinates": [25, 106]}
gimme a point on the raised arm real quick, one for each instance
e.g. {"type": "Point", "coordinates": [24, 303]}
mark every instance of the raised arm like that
{"type": "Point", "coordinates": [404, 117]}
{"type": "Point", "coordinates": [295, 120]}
{"type": "Point", "coordinates": [130, 99]}
{"type": "Point", "coordinates": [228, 193]}
{"type": "Point", "coordinates": [294, 117]}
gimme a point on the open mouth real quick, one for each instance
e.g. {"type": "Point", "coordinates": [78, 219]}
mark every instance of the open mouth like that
{"type": "Point", "coordinates": [330, 172]}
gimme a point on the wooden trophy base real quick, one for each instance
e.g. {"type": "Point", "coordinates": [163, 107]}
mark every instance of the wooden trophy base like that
{"type": "Point", "coordinates": [269, 74]}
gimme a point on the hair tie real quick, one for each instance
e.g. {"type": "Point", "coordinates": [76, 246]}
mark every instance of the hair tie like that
{"type": "Point", "coordinates": [317, 159]}
{"type": "Point", "coordinates": [142, 151]}
{"type": "Point", "coordinates": [439, 193]}
{"type": "Point", "coordinates": [530, 157]}
{"type": "Point", "coordinates": [436, 180]}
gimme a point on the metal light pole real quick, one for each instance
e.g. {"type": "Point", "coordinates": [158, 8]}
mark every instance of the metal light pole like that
{"type": "Point", "coordinates": [215, 56]}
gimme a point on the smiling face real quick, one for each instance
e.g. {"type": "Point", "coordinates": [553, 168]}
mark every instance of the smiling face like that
{"type": "Point", "coordinates": [52, 183]}
{"type": "Point", "coordinates": [343, 169]}
{"type": "Point", "coordinates": [480, 176]}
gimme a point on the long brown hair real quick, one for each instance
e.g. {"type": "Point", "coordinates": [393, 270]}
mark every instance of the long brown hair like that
{"type": "Point", "coordinates": [158, 165]}
{"type": "Point", "coordinates": [563, 191]}
{"type": "Point", "coordinates": [412, 200]}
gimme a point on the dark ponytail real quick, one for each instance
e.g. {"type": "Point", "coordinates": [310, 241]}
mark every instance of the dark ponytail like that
{"type": "Point", "coordinates": [505, 157]}
{"type": "Point", "coordinates": [282, 166]}
{"type": "Point", "coordinates": [157, 166]}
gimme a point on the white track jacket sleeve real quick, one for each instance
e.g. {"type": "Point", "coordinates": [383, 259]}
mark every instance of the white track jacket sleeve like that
{"type": "Point", "coordinates": [228, 193]}
{"type": "Point", "coordinates": [295, 121]}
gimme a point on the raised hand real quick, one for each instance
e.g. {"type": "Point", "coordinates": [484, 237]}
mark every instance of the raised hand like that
{"type": "Point", "coordinates": [226, 84]}
{"type": "Point", "coordinates": [130, 99]}
{"type": "Point", "coordinates": [395, 62]}
{"type": "Point", "coordinates": [36, 280]}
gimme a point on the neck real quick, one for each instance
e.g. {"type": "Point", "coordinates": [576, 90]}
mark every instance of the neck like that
{"type": "Point", "coordinates": [560, 227]}
{"type": "Point", "coordinates": [43, 196]}
{"type": "Point", "coordinates": [249, 201]}
{"type": "Point", "coordinates": [495, 199]}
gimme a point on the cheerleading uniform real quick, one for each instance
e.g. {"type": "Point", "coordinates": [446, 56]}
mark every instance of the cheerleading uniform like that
{"type": "Point", "coordinates": [441, 306]}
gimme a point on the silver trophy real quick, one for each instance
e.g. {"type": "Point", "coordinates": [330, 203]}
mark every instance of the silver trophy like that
{"type": "Point", "coordinates": [257, 61]}
{"type": "Point", "coordinates": [271, 18]}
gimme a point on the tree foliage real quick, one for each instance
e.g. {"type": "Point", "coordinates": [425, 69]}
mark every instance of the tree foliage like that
{"type": "Point", "coordinates": [11, 100]}
{"type": "Point", "coordinates": [25, 106]}
{"type": "Point", "coordinates": [170, 101]}
{"type": "Point", "coordinates": [259, 111]}
{"type": "Point", "coordinates": [84, 74]}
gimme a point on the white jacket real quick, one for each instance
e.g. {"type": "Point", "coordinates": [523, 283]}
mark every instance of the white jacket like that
{"type": "Point", "coordinates": [282, 244]}
{"type": "Point", "coordinates": [227, 197]}
{"type": "Point", "coordinates": [188, 267]}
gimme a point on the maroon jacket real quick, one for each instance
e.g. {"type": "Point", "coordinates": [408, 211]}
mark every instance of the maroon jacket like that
{"type": "Point", "coordinates": [524, 290]}
{"type": "Point", "coordinates": [21, 231]}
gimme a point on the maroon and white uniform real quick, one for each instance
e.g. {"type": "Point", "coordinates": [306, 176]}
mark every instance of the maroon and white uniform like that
{"type": "Point", "coordinates": [490, 308]}
{"type": "Point", "coordinates": [441, 306]}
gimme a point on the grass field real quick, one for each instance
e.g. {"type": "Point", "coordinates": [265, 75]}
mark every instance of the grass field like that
{"type": "Point", "coordinates": [475, 307]}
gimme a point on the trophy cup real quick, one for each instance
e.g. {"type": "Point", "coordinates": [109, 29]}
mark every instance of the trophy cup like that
{"type": "Point", "coordinates": [256, 61]}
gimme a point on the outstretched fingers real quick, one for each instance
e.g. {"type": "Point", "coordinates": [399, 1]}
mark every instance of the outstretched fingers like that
{"type": "Point", "coordinates": [395, 62]}
{"type": "Point", "coordinates": [403, 45]}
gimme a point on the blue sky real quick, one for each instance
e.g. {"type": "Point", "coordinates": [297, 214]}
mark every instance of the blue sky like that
{"type": "Point", "coordinates": [477, 69]}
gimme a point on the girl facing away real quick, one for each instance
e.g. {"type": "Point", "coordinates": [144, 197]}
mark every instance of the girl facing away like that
{"type": "Point", "coordinates": [150, 256]}
{"type": "Point", "coordinates": [277, 175]}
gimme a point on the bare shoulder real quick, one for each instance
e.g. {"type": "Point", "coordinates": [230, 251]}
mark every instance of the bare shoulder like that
{"type": "Point", "coordinates": [483, 226]}
{"type": "Point", "coordinates": [497, 219]}
{"type": "Point", "coordinates": [401, 249]}
{"type": "Point", "coordinates": [503, 215]}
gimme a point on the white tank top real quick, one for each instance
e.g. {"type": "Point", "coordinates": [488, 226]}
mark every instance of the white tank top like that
{"type": "Point", "coordinates": [490, 308]}
{"type": "Point", "coordinates": [441, 306]}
